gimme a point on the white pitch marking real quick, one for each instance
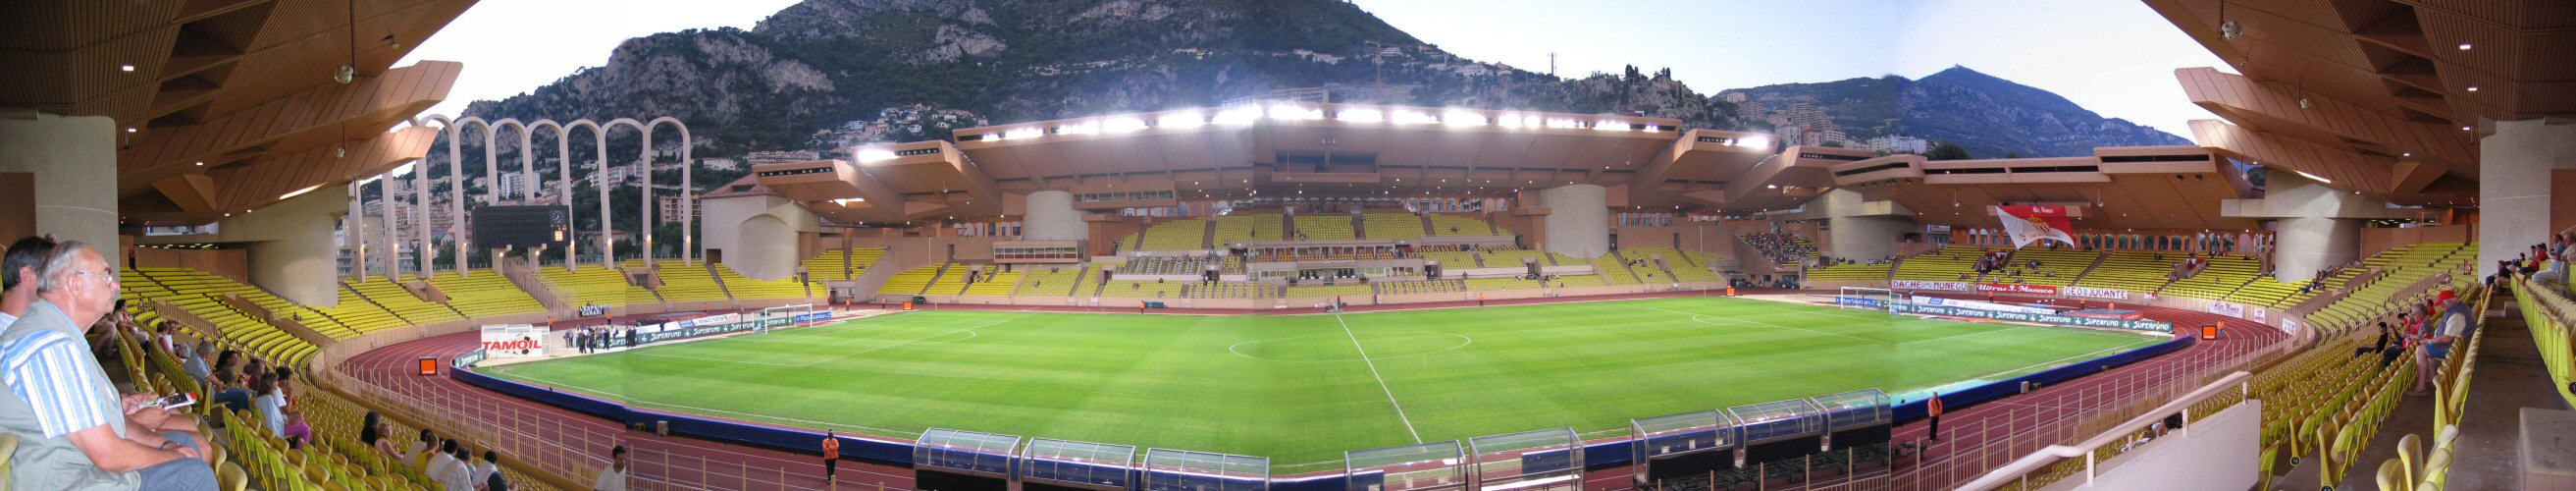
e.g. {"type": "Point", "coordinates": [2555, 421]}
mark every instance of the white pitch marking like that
{"type": "Point", "coordinates": [1381, 380]}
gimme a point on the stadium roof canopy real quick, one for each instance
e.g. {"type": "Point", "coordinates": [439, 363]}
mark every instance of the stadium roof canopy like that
{"type": "Point", "coordinates": [2382, 97]}
{"type": "Point", "coordinates": [1159, 158]}
{"type": "Point", "coordinates": [229, 105]}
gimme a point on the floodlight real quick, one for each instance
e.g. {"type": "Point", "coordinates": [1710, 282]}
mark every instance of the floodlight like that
{"type": "Point", "coordinates": [1238, 116]}
{"type": "Point", "coordinates": [1124, 124]}
{"type": "Point", "coordinates": [1084, 128]}
{"type": "Point", "coordinates": [2313, 176]}
{"type": "Point", "coordinates": [1180, 121]}
{"type": "Point", "coordinates": [867, 155]}
{"type": "Point", "coordinates": [1025, 133]}
{"type": "Point", "coordinates": [1412, 117]}
{"type": "Point", "coordinates": [1360, 116]}
{"type": "Point", "coordinates": [1462, 118]}
{"type": "Point", "coordinates": [1753, 141]}
{"type": "Point", "coordinates": [1611, 126]}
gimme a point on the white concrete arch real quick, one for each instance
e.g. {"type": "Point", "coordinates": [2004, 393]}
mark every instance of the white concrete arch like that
{"type": "Point", "coordinates": [608, 243]}
{"type": "Point", "coordinates": [425, 250]}
{"type": "Point", "coordinates": [688, 173]}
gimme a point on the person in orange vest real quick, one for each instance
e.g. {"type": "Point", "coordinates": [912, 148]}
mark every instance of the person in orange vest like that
{"type": "Point", "coordinates": [831, 455]}
{"type": "Point", "coordinates": [1934, 406]}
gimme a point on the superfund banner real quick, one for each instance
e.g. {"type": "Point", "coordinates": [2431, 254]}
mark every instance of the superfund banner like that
{"type": "Point", "coordinates": [2016, 288]}
{"type": "Point", "coordinates": [514, 341]}
{"type": "Point", "coordinates": [1956, 286]}
{"type": "Point", "coordinates": [2104, 293]}
{"type": "Point", "coordinates": [2063, 320]}
{"type": "Point", "coordinates": [1973, 304]}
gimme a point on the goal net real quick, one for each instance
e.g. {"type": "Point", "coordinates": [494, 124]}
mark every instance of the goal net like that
{"type": "Point", "coordinates": [799, 315]}
{"type": "Point", "coordinates": [1853, 297]}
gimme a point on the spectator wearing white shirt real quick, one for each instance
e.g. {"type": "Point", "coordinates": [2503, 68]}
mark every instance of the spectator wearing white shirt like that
{"type": "Point", "coordinates": [613, 477]}
{"type": "Point", "coordinates": [450, 472]}
{"type": "Point", "coordinates": [484, 469]}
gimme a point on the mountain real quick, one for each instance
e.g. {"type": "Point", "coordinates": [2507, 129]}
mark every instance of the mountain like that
{"type": "Point", "coordinates": [822, 71]}
{"type": "Point", "coordinates": [1990, 117]}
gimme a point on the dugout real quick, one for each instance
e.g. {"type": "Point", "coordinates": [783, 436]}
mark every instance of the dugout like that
{"type": "Point", "coordinates": [1858, 425]}
{"type": "Point", "coordinates": [1183, 470]}
{"type": "Point", "coordinates": [1065, 464]}
{"type": "Point", "coordinates": [1418, 467]}
{"type": "Point", "coordinates": [1682, 446]}
{"type": "Point", "coordinates": [1529, 460]}
{"type": "Point", "coordinates": [963, 460]}
{"type": "Point", "coordinates": [1778, 430]}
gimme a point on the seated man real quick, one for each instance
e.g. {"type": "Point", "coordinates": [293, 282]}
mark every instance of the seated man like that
{"type": "Point", "coordinates": [2447, 331]}
{"type": "Point", "coordinates": [74, 428]}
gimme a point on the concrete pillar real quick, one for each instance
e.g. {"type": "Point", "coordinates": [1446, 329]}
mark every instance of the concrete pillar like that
{"type": "Point", "coordinates": [1857, 236]}
{"type": "Point", "coordinates": [2310, 234]}
{"type": "Point", "coordinates": [758, 234]}
{"type": "Point", "coordinates": [291, 251]}
{"type": "Point", "coordinates": [2514, 166]}
{"type": "Point", "coordinates": [74, 162]}
{"type": "Point", "coordinates": [1866, 237]}
{"type": "Point", "coordinates": [1051, 217]}
{"type": "Point", "coordinates": [1578, 220]}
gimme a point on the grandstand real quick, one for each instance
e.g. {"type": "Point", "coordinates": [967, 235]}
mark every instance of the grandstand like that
{"type": "Point", "coordinates": [1950, 263]}
{"type": "Point", "coordinates": [403, 302]}
{"type": "Point", "coordinates": [685, 283]}
{"type": "Point", "coordinates": [1331, 226]}
{"type": "Point", "coordinates": [1392, 226]}
{"type": "Point", "coordinates": [1050, 280]}
{"type": "Point", "coordinates": [1250, 227]}
{"type": "Point", "coordinates": [745, 288]}
{"type": "Point", "coordinates": [589, 285]}
{"type": "Point", "coordinates": [486, 294]}
{"type": "Point", "coordinates": [912, 281]}
{"type": "Point", "coordinates": [253, 204]}
{"type": "Point", "coordinates": [996, 285]}
{"type": "Point", "coordinates": [1176, 235]}
{"type": "Point", "coordinates": [1459, 225]}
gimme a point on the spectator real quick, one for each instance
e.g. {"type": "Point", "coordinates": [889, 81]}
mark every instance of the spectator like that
{"type": "Point", "coordinates": [488, 467]}
{"type": "Point", "coordinates": [419, 453]}
{"type": "Point", "coordinates": [23, 265]}
{"type": "Point", "coordinates": [234, 397]}
{"type": "Point", "coordinates": [449, 471]}
{"type": "Point", "coordinates": [2454, 324]}
{"type": "Point", "coordinates": [613, 477]}
{"type": "Point", "coordinates": [2375, 348]}
{"type": "Point", "coordinates": [296, 433]}
{"type": "Point", "coordinates": [66, 411]}
{"type": "Point", "coordinates": [196, 365]}
{"type": "Point", "coordinates": [224, 367]}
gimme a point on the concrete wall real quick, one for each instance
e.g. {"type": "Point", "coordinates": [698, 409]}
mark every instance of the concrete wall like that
{"type": "Point", "coordinates": [2515, 164]}
{"type": "Point", "coordinates": [2219, 452]}
{"type": "Point", "coordinates": [758, 235]}
{"type": "Point", "coordinates": [228, 263]}
{"type": "Point", "coordinates": [74, 162]}
{"type": "Point", "coordinates": [1578, 221]}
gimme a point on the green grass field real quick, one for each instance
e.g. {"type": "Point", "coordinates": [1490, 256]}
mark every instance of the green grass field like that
{"type": "Point", "coordinates": [1297, 388]}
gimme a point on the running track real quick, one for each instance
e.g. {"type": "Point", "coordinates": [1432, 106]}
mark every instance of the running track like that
{"type": "Point", "coordinates": [1977, 439]}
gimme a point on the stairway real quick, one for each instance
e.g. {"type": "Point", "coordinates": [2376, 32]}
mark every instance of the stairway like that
{"type": "Point", "coordinates": [1426, 223]}
{"type": "Point", "coordinates": [1207, 238]}
{"type": "Point", "coordinates": [720, 284]}
{"type": "Point", "coordinates": [2098, 258]}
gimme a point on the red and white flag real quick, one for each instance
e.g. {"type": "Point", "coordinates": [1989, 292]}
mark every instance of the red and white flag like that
{"type": "Point", "coordinates": [2029, 224]}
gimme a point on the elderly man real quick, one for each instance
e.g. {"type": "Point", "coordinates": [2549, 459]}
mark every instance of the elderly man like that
{"type": "Point", "coordinates": [2442, 332]}
{"type": "Point", "coordinates": [74, 428]}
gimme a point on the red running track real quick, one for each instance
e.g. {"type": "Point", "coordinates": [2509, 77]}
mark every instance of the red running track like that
{"type": "Point", "coordinates": [575, 445]}
{"type": "Point", "coordinates": [1977, 439]}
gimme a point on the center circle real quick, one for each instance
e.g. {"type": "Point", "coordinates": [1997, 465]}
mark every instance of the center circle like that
{"type": "Point", "coordinates": [1337, 347]}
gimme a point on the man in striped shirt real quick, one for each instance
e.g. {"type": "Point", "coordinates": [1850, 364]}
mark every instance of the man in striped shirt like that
{"type": "Point", "coordinates": [73, 427]}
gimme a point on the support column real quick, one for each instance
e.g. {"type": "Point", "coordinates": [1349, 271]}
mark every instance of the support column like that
{"type": "Point", "coordinates": [1051, 217]}
{"type": "Point", "coordinates": [353, 232]}
{"type": "Point", "coordinates": [2514, 165]}
{"type": "Point", "coordinates": [291, 251]}
{"type": "Point", "coordinates": [74, 163]}
{"type": "Point", "coordinates": [1859, 236]}
{"type": "Point", "coordinates": [1578, 220]}
{"type": "Point", "coordinates": [2317, 228]}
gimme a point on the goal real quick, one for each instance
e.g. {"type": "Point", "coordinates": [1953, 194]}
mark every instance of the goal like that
{"type": "Point", "coordinates": [1854, 297]}
{"type": "Point", "coordinates": [799, 315]}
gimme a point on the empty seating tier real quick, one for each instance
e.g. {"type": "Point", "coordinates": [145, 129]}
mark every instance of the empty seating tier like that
{"type": "Point", "coordinates": [1177, 235]}
{"type": "Point", "coordinates": [1392, 226]}
{"type": "Point", "coordinates": [682, 282]}
{"type": "Point", "coordinates": [1049, 281]}
{"type": "Point", "coordinates": [485, 294]}
{"type": "Point", "coordinates": [745, 288]}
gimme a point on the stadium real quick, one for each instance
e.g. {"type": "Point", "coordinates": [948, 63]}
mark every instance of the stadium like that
{"type": "Point", "coordinates": [1288, 293]}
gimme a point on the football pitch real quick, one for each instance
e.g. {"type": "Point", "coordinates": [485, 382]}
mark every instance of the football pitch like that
{"type": "Point", "coordinates": [1302, 389]}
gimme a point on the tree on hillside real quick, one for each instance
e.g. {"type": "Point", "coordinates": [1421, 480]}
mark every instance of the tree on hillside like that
{"type": "Point", "coordinates": [1947, 151]}
{"type": "Point", "coordinates": [1833, 144]}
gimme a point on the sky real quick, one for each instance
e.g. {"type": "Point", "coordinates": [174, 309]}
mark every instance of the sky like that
{"type": "Point", "coordinates": [2115, 57]}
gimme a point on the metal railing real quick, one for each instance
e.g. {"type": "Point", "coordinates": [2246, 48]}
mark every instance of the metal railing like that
{"type": "Point", "coordinates": [2018, 471]}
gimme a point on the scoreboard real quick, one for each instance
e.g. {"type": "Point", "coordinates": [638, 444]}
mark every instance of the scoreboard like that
{"type": "Point", "coordinates": [522, 227]}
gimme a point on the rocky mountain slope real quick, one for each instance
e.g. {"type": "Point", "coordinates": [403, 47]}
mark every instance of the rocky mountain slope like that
{"type": "Point", "coordinates": [1990, 117]}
